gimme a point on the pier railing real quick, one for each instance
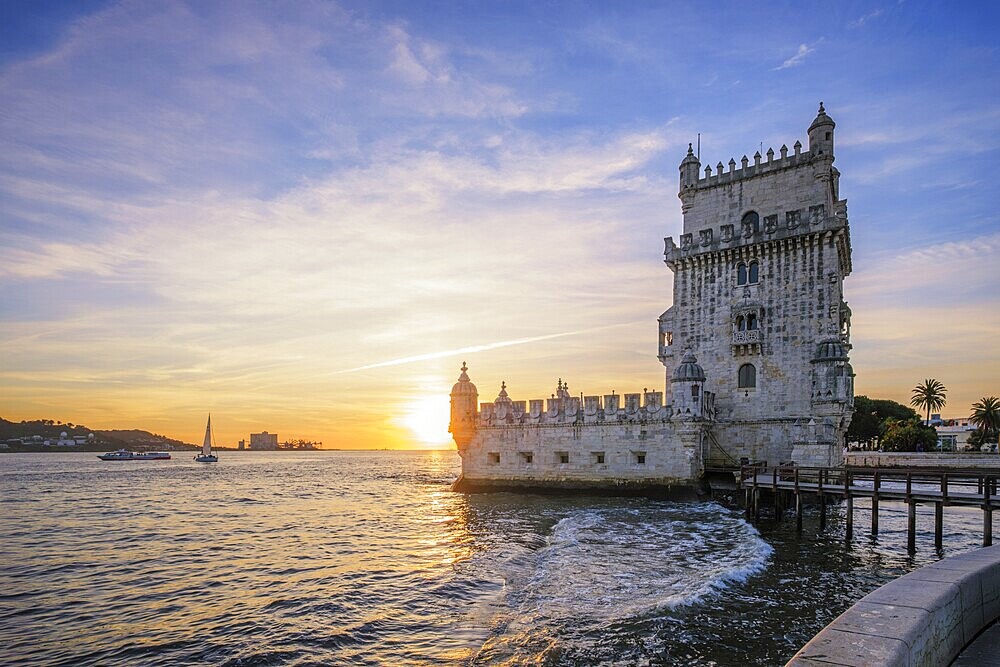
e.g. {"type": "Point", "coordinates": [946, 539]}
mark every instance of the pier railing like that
{"type": "Point", "coordinates": [788, 484]}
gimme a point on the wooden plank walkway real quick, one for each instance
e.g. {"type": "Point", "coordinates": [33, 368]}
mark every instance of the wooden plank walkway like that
{"type": "Point", "coordinates": [787, 484]}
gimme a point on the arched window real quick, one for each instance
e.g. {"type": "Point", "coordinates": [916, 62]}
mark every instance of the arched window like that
{"type": "Point", "coordinates": [741, 324]}
{"type": "Point", "coordinates": [741, 274]}
{"type": "Point", "coordinates": [747, 377]}
{"type": "Point", "coordinates": [751, 322]}
{"type": "Point", "coordinates": [754, 272]}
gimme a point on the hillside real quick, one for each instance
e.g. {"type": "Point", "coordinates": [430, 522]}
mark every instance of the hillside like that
{"type": "Point", "coordinates": [47, 435]}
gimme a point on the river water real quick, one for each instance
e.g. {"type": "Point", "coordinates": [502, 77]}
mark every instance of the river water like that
{"type": "Point", "coordinates": [367, 558]}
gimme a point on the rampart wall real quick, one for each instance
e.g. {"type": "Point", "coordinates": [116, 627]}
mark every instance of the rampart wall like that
{"type": "Point", "coordinates": [642, 455]}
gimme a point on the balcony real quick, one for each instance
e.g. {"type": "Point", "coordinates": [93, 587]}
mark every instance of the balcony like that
{"type": "Point", "coordinates": [746, 337]}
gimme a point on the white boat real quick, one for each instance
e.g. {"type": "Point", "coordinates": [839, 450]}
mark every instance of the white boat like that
{"type": "Point", "coordinates": [126, 455]}
{"type": "Point", "coordinates": [206, 455]}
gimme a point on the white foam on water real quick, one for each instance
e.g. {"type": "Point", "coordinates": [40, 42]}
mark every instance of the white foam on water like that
{"type": "Point", "coordinates": [608, 566]}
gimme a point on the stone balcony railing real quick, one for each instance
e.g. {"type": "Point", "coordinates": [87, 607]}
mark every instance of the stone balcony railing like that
{"type": "Point", "coordinates": [746, 337]}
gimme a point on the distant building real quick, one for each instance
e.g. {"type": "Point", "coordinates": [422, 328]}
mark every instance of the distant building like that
{"type": "Point", "coordinates": [242, 444]}
{"type": "Point", "coordinates": [263, 440]}
{"type": "Point", "coordinates": [953, 434]}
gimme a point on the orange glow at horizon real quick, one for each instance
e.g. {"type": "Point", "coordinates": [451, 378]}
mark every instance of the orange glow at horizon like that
{"type": "Point", "coordinates": [427, 418]}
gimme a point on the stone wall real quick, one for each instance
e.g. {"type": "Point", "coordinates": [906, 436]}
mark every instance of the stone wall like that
{"type": "Point", "coordinates": [776, 441]}
{"type": "Point", "coordinates": [918, 459]}
{"type": "Point", "coordinates": [923, 618]}
{"type": "Point", "coordinates": [790, 185]}
{"type": "Point", "coordinates": [798, 300]}
{"type": "Point", "coordinates": [654, 453]}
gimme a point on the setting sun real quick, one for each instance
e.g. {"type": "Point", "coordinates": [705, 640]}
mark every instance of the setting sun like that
{"type": "Point", "coordinates": [427, 418]}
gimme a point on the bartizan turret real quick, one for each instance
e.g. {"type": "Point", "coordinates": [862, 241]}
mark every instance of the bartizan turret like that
{"type": "Point", "coordinates": [821, 135]}
{"type": "Point", "coordinates": [464, 400]}
{"type": "Point", "coordinates": [688, 388]}
{"type": "Point", "coordinates": [690, 166]}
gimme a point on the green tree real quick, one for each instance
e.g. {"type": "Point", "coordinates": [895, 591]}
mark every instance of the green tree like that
{"type": "Point", "coordinates": [986, 416]}
{"type": "Point", "coordinates": [865, 425]}
{"type": "Point", "coordinates": [908, 435]}
{"type": "Point", "coordinates": [929, 394]}
{"type": "Point", "coordinates": [870, 415]}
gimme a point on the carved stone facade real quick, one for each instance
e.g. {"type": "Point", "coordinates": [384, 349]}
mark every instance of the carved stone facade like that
{"type": "Point", "coordinates": [758, 311]}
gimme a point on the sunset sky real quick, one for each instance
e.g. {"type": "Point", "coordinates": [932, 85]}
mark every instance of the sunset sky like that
{"type": "Point", "coordinates": [303, 216]}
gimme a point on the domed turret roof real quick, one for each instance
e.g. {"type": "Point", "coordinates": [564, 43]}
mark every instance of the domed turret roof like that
{"type": "Point", "coordinates": [830, 350]}
{"type": "Point", "coordinates": [464, 386]}
{"type": "Point", "coordinates": [822, 119]}
{"type": "Point", "coordinates": [689, 370]}
{"type": "Point", "coordinates": [690, 157]}
{"type": "Point", "coordinates": [502, 397]}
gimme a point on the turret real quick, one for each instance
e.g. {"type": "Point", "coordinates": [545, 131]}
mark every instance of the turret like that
{"type": "Point", "coordinates": [503, 407]}
{"type": "Point", "coordinates": [464, 400]}
{"type": "Point", "coordinates": [689, 169]}
{"type": "Point", "coordinates": [821, 134]}
{"type": "Point", "coordinates": [688, 179]}
{"type": "Point", "coordinates": [687, 387]}
{"type": "Point", "coordinates": [832, 375]}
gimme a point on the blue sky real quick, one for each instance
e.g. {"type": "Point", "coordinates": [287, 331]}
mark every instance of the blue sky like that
{"type": "Point", "coordinates": [253, 207]}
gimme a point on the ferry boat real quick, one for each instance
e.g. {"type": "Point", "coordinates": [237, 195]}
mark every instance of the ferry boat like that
{"type": "Point", "coordinates": [126, 455]}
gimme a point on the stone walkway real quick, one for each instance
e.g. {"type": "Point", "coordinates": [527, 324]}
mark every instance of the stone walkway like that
{"type": "Point", "coordinates": [984, 651]}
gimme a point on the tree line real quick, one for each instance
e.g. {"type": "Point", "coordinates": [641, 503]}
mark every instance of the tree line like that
{"type": "Point", "coordinates": [894, 427]}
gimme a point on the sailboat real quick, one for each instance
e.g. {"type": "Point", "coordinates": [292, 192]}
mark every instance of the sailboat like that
{"type": "Point", "coordinates": [206, 455]}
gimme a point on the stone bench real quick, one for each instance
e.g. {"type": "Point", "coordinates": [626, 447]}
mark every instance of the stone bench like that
{"type": "Point", "coordinates": [923, 618]}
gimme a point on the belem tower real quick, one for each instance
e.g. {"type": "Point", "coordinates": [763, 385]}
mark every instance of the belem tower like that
{"type": "Point", "coordinates": [755, 347]}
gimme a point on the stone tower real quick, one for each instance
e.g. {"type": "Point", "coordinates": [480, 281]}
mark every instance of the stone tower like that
{"type": "Point", "coordinates": [464, 401]}
{"type": "Point", "coordinates": [758, 299]}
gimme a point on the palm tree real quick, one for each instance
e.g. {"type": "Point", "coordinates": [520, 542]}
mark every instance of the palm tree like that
{"type": "Point", "coordinates": [929, 394]}
{"type": "Point", "coordinates": [986, 415]}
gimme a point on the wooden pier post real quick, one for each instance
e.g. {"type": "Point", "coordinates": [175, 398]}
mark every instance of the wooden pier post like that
{"type": "Point", "coordinates": [849, 533]}
{"type": "Point", "coordinates": [822, 502]}
{"type": "Point", "coordinates": [987, 514]}
{"type": "Point", "coordinates": [939, 512]}
{"type": "Point", "coordinates": [911, 516]}
{"type": "Point", "coordinates": [938, 524]}
{"type": "Point", "coordinates": [875, 503]}
{"type": "Point", "coordinates": [798, 504]}
{"type": "Point", "coordinates": [747, 494]}
{"type": "Point", "coordinates": [777, 496]}
{"type": "Point", "coordinates": [756, 498]}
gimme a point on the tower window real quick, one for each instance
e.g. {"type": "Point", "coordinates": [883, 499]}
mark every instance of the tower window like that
{"type": "Point", "coordinates": [748, 274]}
{"type": "Point", "coordinates": [753, 220]}
{"type": "Point", "coordinates": [747, 377]}
{"type": "Point", "coordinates": [828, 136]}
{"type": "Point", "coordinates": [751, 322]}
{"type": "Point", "coordinates": [493, 458]}
{"type": "Point", "coordinates": [741, 323]}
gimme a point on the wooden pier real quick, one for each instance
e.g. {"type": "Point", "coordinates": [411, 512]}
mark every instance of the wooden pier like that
{"type": "Point", "coordinates": [789, 485]}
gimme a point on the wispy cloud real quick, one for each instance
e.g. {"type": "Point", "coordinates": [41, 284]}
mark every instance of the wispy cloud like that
{"type": "Point", "coordinates": [471, 349]}
{"type": "Point", "coordinates": [862, 20]}
{"type": "Point", "coordinates": [797, 59]}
